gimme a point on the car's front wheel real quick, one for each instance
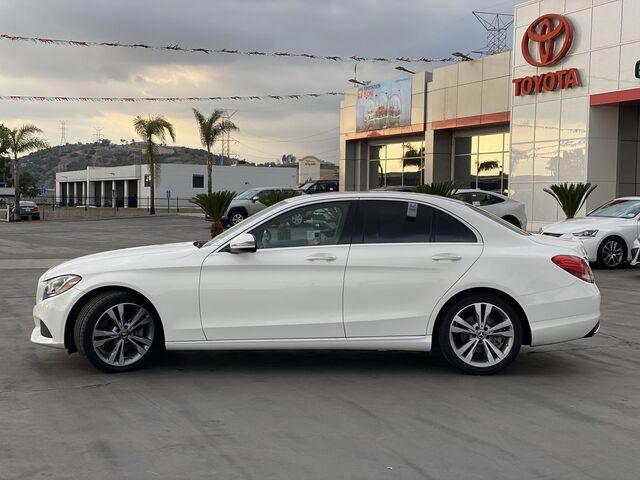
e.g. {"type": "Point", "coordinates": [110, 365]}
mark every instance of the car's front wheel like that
{"type": "Point", "coordinates": [480, 334]}
{"type": "Point", "coordinates": [612, 253]}
{"type": "Point", "coordinates": [116, 331]}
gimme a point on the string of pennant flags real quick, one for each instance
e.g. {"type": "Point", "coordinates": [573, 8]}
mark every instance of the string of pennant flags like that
{"type": "Point", "coordinates": [227, 51]}
{"type": "Point", "coordinates": [297, 96]}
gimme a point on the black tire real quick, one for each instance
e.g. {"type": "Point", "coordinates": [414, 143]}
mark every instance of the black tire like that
{"type": "Point", "coordinates": [95, 310]}
{"type": "Point", "coordinates": [512, 220]}
{"type": "Point", "coordinates": [235, 217]}
{"type": "Point", "coordinates": [605, 257]}
{"type": "Point", "coordinates": [480, 348]}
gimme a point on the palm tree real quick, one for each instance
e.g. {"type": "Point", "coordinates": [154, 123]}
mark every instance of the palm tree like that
{"type": "Point", "coordinates": [442, 189]}
{"type": "Point", "coordinates": [211, 128]}
{"type": "Point", "coordinates": [214, 205]}
{"type": "Point", "coordinates": [153, 127]}
{"type": "Point", "coordinates": [277, 196]}
{"type": "Point", "coordinates": [570, 196]}
{"type": "Point", "coordinates": [20, 141]}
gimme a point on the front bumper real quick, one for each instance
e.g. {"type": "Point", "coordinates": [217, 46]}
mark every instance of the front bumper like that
{"type": "Point", "coordinates": [53, 313]}
{"type": "Point", "coordinates": [635, 256]}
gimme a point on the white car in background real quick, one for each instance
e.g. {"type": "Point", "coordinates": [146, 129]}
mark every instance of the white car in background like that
{"type": "Point", "coordinates": [607, 233]}
{"type": "Point", "coordinates": [506, 208]}
{"type": "Point", "coordinates": [380, 271]}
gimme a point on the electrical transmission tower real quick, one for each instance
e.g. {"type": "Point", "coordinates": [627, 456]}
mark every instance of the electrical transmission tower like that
{"type": "Point", "coordinates": [497, 25]}
{"type": "Point", "coordinates": [226, 136]}
{"type": "Point", "coordinates": [63, 132]}
{"type": "Point", "coordinates": [98, 134]}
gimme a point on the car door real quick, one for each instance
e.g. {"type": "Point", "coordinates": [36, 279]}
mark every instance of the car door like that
{"type": "Point", "coordinates": [404, 257]}
{"type": "Point", "coordinates": [291, 287]}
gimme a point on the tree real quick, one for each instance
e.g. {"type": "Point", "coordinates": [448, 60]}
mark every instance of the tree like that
{"type": "Point", "coordinates": [289, 159]}
{"type": "Point", "coordinates": [28, 185]}
{"type": "Point", "coordinates": [211, 128]}
{"type": "Point", "coordinates": [570, 196]}
{"type": "Point", "coordinates": [149, 129]}
{"type": "Point", "coordinates": [214, 205]}
{"type": "Point", "coordinates": [20, 141]}
{"type": "Point", "coordinates": [4, 149]}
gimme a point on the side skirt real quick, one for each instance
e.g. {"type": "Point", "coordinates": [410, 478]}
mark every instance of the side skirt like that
{"type": "Point", "coordinates": [412, 343]}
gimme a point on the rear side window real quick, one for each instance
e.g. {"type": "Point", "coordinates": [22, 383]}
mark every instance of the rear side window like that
{"type": "Point", "coordinates": [447, 229]}
{"type": "Point", "coordinates": [396, 222]}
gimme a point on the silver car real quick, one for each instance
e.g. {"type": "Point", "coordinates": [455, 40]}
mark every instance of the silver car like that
{"type": "Point", "coordinates": [504, 207]}
{"type": "Point", "coordinates": [248, 203]}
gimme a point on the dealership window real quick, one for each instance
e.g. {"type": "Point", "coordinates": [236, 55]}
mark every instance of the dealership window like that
{"type": "Point", "coordinates": [398, 164]}
{"type": "Point", "coordinates": [197, 181]}
{"type": "Point", "coordinates": [482, 161]}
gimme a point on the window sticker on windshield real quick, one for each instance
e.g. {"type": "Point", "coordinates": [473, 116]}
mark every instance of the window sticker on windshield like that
{"type": "Point", "coordinates": [412, 210]}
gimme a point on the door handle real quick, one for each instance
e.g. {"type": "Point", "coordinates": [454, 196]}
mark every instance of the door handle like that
{"type": "Point", "coordinates": [327, 257]}
{"type": "Point", "coordinates": [446, 257]}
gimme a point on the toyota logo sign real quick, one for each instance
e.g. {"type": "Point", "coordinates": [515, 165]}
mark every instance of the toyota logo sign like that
{"type": "Point", "coordinates": [547, 32]}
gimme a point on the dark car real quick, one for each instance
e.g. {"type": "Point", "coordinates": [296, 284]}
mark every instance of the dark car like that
{"type": "Point", "coordinates": [29, 209]}
{"type": "Point", "coordinates": [320, 186]}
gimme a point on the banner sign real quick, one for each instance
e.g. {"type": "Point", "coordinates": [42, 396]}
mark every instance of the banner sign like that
{"type": "Point", "coordinates": [384, 104]}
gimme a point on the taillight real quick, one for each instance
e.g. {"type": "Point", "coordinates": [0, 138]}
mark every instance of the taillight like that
{"type": "Point", "coordinates": [37, 208]}
{"type": "Point", "coordinates": [576, 266]}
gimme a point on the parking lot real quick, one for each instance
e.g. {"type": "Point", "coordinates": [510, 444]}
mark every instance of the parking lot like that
{"type": "Point", "coordinates": [569, 411]}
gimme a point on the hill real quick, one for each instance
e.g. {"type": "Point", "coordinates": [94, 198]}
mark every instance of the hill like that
{"type": "Point", "coordinates": [43, 164]}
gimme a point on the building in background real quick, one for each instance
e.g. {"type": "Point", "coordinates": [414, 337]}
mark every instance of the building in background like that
{"type": "Point", "coordinates": [128, 186]}
{"type": "Point", "coordinates": [514, 122]}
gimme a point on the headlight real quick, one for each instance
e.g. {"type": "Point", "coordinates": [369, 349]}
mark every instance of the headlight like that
{"type": "Point", "coordinates": [586, 233]}
{"type": "Point", "coordinates": [57, 285]}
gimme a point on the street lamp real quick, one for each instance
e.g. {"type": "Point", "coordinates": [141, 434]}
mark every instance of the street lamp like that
{"type": "Point", "coordinates": [463, 56]}
{"type": "Point", "coordinates": [402, 69]}
{"type": "Point", "coordinates": [358, 82]}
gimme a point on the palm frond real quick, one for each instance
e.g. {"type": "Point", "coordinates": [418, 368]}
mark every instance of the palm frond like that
{"type": "Point", "coordinates": [278, 196]}
{"type": "Point", "coordinates": [570, 196]}
{"type": "Point", "coordinates": [214, 204]}
{"type": "Point", "coordinates": [441, 189]}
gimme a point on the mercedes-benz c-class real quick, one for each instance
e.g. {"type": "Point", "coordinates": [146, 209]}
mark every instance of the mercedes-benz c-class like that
{"type": "Point", "coordinates": [387, 270]}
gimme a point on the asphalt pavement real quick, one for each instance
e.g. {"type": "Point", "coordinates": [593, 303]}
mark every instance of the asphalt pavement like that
{"type": "Point", "coordinates": [568, 411]}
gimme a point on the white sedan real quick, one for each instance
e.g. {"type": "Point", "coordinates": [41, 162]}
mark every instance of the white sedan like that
{"type": "Point", "coordinates": [607, 233]}
{"type": "Point", "coordinates": [504, 207]}
{"type": "Point", "coordinates": [399, 271]}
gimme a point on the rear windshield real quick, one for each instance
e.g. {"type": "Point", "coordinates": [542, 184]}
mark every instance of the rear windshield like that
{"type": "Point", "coordinates": [497, 219]}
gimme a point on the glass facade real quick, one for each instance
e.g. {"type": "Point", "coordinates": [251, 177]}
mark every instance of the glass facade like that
{"type": "Point", "coordinates": [399, 164]}
{"type": "Point", "coordinates": [482, 161]}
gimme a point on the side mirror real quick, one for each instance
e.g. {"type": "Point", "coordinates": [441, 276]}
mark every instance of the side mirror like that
{"type": "Point", "coordinates": [243, 243]}
{"type": "Point", "coordinates": [255, 198]}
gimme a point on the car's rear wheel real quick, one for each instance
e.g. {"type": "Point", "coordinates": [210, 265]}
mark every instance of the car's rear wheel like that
{"type": "Point", "coordinates": [612, 253]}
{"type": "Point", "coordinates": [480, 334]}
{"type": "Point", "coordinates": [236, 216]}
{"type": "Point", "coordinates": [117, 332]}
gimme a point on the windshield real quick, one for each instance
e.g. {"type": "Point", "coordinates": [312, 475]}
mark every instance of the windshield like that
{"type": "Point", "coordinates": [306, 185]}
{"type": "Point", "coordinates": [239, 226]}
{"type": "Point", "coordinates": [617, 209]}
{"type": "Point", "coordinates": [248, 194]}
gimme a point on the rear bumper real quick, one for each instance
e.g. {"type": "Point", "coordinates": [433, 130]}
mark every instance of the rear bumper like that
{"type": "Point", "coordinates": [564, 329]}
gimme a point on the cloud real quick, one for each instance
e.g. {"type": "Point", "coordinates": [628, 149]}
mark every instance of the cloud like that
{"type": "Point", "coordinates": [366, 27]}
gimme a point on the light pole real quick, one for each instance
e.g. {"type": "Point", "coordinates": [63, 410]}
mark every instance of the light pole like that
{"type": "Point", "coordinates": [402, 69]}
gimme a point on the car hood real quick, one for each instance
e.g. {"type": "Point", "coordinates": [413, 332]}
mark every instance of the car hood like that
{"type": "Point", "coordinates": [127, 258]}
{"type": "Point", "coordinates": [576, 225]}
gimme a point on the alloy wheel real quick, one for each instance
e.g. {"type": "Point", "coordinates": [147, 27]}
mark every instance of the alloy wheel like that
{"type": "Point", "coordinates": [612, 253]}
{"type": "Point", "coordinates": [481, 335]}
{"type": "Point", "coordinates": [236, 218]}
{"type": "Point", "coordinates": [123, 334]}
{"type": "Point", "coordinates": [297, 219]}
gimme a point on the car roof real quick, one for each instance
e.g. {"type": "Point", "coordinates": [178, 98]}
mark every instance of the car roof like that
{"type": "Point", "coordinates": [477, 190]}
{"type": "Point", "coordinates": [408, 196]}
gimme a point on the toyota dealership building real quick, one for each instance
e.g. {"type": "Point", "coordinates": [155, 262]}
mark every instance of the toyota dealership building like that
{"type": "Point", "coordinates": [562, 106]}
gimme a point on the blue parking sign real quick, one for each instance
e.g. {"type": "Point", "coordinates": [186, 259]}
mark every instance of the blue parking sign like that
{"type": "Point", "coordinates": [43, 190]}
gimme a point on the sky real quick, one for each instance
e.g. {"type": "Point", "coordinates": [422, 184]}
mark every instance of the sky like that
{"type": "Point", "coordinates": [268, 129]}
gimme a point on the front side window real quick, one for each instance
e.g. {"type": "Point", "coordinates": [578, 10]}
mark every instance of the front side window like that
{"type": "Point", "coordinates": [311, 225]}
